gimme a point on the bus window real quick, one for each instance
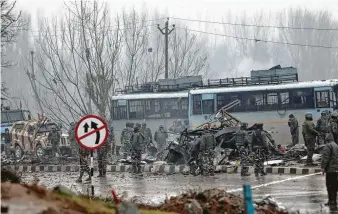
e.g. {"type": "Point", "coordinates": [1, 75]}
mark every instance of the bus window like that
{"type": "Point", "coordinates": [15, 116]}
{"type": "Point", "coordinates": [196, 102]}
{"type": "Point", "coordinates": [302, 98]}
{"type": "Point", "coordinates": [208, 106]}
{"type": "Point", "coordinates": [153, 109]}
{"type": "Point", "coordinates": [136, 110]}
{"type": "Point", "coordinates": [183, 108]}
{"type": "Point", "coordinates": [271, 101]}
{"type": "Point", "coordinates": [322, 99]}
{"type": "Point", "coordinates": [334, 99]}
{"type": "Point", "coordinates": [4, 118]}
{"type": "Point", "coordinates": [170, 108]}
{"type": "Point", "coordinates": [284, 99]}
{"type": "Point", "coordinates": [119, 110]}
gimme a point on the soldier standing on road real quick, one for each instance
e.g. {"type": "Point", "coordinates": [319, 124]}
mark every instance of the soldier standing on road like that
{"type": "Point", "coordinates": [294, 129]}
{"type": "Point", "coordinates": [84, 167]}
{"type": "Point", "coordinates": [242, 143]}
{"type": "Point", "coordinates": [260, 148]}
{"type": "Point", "coordinates": [322, 126]}
{"type": "Point", "coordinates": [125, 138]}
{"type": "Point", "coordinates": [333, 126]}
{"type": "Point", "coordinates": [54, 138]}
{"type": "Point", "coordinates": [148, 136]}
{"type": "Point", "coordinates": [309, 135]}
{"type": "Point", "coordinates": [177, 127]}
{"type": "Point", "coordinates": [329, 166]}
{"type": "Point", "coordinates": [160, 137]}
{"type": "Point", "coordinates": [136, 141]}
{"type": "Point", "coordinates": [102, 159]}
{"type": "Point", "coordinates": [206, 153]}
{"type": "Point", "coordinates": [71, 138]}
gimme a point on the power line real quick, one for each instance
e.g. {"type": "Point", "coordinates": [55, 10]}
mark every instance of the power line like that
{"type": "Point", "coordinates": [252, 25]}
{"type": "Point", "coordinates": [114, 26]}
{"type": "Point", "coordinates": [259, 40]}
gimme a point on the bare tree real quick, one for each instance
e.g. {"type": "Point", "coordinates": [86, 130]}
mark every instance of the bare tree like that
{"type": "Point", "coordinates": [312, 62]}
{"type": "Point", "coordinates": [187, 54]}
{"type": "Point", "coordinates": [135, 38]}
{"type": "Point", "coordinates": [77, 60]}
{"type": "Point", "coordinates": [11, 25]}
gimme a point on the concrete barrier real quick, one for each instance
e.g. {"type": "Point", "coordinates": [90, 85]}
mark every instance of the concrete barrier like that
{"type": "Point", "coordinates": [168, 169]}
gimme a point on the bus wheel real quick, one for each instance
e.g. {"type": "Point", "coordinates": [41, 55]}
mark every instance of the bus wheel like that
{"type": "Point", "coordinates": [39, 152]}
{"type": "Point", "coordinates": [18, 152]}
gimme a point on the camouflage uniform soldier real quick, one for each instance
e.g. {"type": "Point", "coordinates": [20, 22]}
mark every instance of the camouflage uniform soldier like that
{"type": "Point", "coordinates": [102, 159]}
{"type": "Point", "coordinates": [83, 154]}
{"type": "Point", "coordinates": [160, 137]}
{"type": "Point", "coordinates": [148, 136]}
{"type": "Point", "coordinates": [136, 141]}
{"type": "Point", "coordinates": [131, 125]}
{"type": "Point", "coordinates": [322, 127]}
{"type": "Point", "coordinates": [177, 127]}
{"type": "Point", "coordinates": [242, 142]}
{"type": "Point", "coordinates": [54, 138]}
{"type": "Point", "coordinates": [309, 135]}
{"type": "Point", "coordinates": [260, 148]}
{"type": "Point", "coordinates": [333, 127]}
{"type": "Point", "coordinates": [71, 138]}
{"type": "Point", "coordinates": [125, 138]}
{"type": "Point", "coordinates": [206, 154]}
{"type": "Point", "coordinates": [294, 129]}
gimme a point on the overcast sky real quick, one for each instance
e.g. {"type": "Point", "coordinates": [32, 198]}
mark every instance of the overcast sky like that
{"type": "Point", "coordinates": [193, 9]}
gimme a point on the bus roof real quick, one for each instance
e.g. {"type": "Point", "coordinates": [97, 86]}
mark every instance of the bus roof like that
{"type": "Point", "coordinates": [307, 84]}
{"type": "Point", "coordinates": [150, 96]}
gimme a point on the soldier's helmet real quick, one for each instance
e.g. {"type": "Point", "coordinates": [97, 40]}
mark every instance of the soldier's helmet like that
{"type": "Point", "coordinates": [131, 125]}
{"type": "Point", "coordinates": [144, 125]}
{"type": "Point", "coordinates": [178, 122]}
{"type": "Point", "coordinates": [136, 129]}
{"type": "Point", "coordinates": [334, 115]}
{"type": "Point", "coordinates": [161, 127]}
{"type": "Point", "coordinates": [138, 125]}
{"type": "Point", "coordinates": [291, 116]}
{"type": "Point", "coordinates": [308, 116]}
{"type": "Point", "coordinates": [127, 124]}
{"type": "Point", "coordinates": [259, 125]}
{"type": "Point", "coordinates": [244, 124]}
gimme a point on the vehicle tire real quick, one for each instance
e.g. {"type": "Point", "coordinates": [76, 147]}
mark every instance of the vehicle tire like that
{"type": "Point", "coordinates": [40, 153]}
{"type": "Point", "coordinates": [18, 152]}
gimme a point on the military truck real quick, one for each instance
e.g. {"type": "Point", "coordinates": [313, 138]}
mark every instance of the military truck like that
{"type": "Point", "coordinates": [31, 138]}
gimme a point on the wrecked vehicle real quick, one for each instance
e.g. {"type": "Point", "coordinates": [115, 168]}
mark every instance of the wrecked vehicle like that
{"type": "Point", "coordinates": [31, 138]}
{"type": "Point", "coordinates": [223, 126]}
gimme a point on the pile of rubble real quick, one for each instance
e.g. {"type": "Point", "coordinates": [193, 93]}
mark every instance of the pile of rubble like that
{"type": "Point", "coordinates": [214, 201]}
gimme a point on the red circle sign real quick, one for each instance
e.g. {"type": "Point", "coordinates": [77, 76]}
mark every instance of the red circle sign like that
{"type": "Point", "coordinates": [91, 132]}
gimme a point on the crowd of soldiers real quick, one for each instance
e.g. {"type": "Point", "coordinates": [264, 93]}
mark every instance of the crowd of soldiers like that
{"type": "Point", "coordinates": [139, 139]}
{"type": "Point", "coordinates": [136, 139]}
{"type": "Point", "coordinates": [254, 147]}
{"type": "Point", "coordinates": [326, 128]}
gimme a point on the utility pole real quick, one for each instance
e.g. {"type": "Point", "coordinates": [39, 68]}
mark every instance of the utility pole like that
{"type": "Point", "coordinates": [88, 76]}
{"type": "Point", "coordinates": [165, 31]}
{"type": "Point", "coordinates": [32, 79]}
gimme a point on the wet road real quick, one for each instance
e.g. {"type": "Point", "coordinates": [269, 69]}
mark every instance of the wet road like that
{"type": "Point", "coordinates": [304, 193]}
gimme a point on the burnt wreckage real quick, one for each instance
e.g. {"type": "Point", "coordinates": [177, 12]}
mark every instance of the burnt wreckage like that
{"type": "Point", "coordinates": [185, 149]}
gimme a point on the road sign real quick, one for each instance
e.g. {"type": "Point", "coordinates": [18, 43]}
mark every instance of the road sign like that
{"type": "Point", "coordinates": [91, 132]}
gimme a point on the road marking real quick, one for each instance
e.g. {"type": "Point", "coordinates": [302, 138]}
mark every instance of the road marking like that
{"type": "Point", "coordinates": [91, 132]}
{"type": "Point", "coordinates": [275, 182]}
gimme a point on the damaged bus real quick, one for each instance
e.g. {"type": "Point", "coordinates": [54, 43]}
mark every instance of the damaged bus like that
{"type": "Point", "coordinates": [265, 99]}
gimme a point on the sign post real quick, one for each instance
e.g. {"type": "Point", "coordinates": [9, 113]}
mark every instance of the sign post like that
{"type": "Point", "coordinates": [91, 132]}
